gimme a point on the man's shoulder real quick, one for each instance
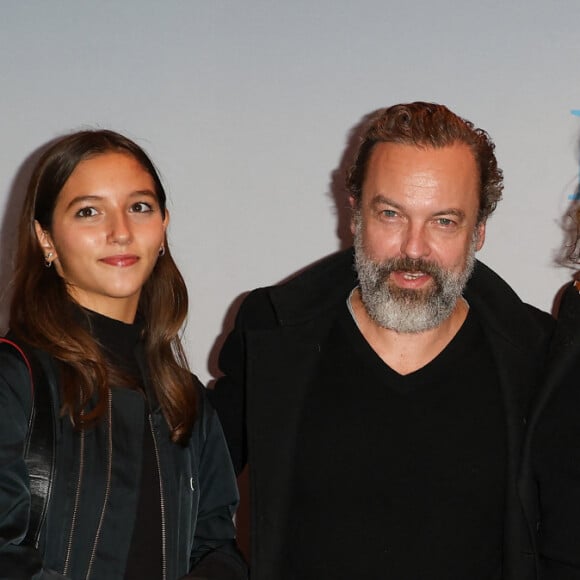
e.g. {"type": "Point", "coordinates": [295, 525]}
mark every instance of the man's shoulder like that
{"type": "Point", "coordinates": [501, 307]}
{"type": "Point", "coordinates": [312, 291]}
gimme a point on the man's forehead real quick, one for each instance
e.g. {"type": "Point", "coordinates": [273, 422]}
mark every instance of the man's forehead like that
{"type": "Point", "coordinates": [441, 179]}
{"type": "Point", "coordinates": [424, 166]}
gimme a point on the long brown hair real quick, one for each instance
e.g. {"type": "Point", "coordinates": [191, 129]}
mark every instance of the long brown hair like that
{"type": "Point", "coordinates": [44, 315]}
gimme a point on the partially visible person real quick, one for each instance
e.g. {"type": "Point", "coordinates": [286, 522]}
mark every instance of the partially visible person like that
{"type": "Point", "coordinates": [139, 483]}
{"type": "Point", "coordinates": [555, 446]}
{"type": "Point", "coordinates": [380, 397]}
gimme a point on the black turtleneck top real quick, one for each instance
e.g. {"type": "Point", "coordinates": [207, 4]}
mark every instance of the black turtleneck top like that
{"type": "Point", "coordinates": [119, 342]}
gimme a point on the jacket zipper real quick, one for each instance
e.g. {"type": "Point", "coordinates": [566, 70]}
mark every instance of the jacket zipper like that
{"type": "Point", "coordinates": [76, 504]}
{"type": "Point", "coordinates": [163, 525]}
{"type": "Point", "coordinates": [108, 485]}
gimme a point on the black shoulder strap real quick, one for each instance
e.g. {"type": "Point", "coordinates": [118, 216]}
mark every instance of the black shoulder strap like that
{"type": "Point", "coordinates": [39, 451]}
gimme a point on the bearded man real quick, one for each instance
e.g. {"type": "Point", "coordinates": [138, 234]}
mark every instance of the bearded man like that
{"type": "Point", "coordinates": [381, 407]}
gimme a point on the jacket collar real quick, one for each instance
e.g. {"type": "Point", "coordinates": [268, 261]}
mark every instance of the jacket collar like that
{"type": "Point", "coordinates": [318, 289]}
{"type": "Point", "coordinates": [504, 312]}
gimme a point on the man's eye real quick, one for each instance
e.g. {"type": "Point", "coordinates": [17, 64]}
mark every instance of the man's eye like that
{"type": "Point", "coordinates": [86, 212]}
{"type": "Point", "coordinates": [445, 222]}
{"type": "Point", "coordinates": [389, 213]}
{"type": "Point", "coordinates": [141, 207]}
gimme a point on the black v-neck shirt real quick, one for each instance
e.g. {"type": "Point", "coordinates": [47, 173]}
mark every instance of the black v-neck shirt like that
{"type": "Point", "coordinates": [397, 476]}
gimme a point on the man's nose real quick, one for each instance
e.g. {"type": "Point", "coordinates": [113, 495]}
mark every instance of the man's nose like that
{"type": "Point", "coordinates": [415, 243]}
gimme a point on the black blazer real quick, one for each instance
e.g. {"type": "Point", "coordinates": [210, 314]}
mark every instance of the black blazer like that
{"type": "Point", "coordinates": [267, 361]}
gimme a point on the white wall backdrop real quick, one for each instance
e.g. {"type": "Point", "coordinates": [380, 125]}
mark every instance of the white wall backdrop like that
{"type": "Point", "coordinates": [246, 108]}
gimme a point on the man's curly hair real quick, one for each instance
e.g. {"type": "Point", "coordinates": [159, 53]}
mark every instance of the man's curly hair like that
{"type": "Point", "coordinates": [429, 125]}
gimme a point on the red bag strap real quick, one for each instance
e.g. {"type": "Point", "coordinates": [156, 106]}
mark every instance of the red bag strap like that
{"type": "Point", "coordinates": [24, 358]}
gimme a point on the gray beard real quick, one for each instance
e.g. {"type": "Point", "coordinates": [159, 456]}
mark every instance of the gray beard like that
{"type": "Point", "coordinates": [406, 310]}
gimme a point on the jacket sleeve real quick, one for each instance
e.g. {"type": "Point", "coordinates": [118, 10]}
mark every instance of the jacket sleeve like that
{"type": "Point", "coordinates": [17, 561]}
{"type": "Point", "coordinates": [215, 554]}
{"type": "Point", "coordinates": [229, 394]}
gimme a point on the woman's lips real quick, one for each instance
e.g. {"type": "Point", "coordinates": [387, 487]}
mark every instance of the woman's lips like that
{"type": "Point", "coordinates": [120, 261]}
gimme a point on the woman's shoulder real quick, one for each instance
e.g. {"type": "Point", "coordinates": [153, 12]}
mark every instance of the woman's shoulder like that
{"type": "Point", "coordinates": [16, 385]}
{"type": "Point", "coordinates": [204, 407]}
{"type": "Point", "coordinates": [26, 371]}
{"type": "Point", "coordinates": [206, 421]}
{"type": "Point", "coordinates": [14, 357]}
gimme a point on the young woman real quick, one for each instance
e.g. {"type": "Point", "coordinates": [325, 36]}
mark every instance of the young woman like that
{"type": "Point", "coordinates": [127, 476]}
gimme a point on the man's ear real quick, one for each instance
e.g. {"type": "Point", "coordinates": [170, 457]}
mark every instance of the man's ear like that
{"type": "Point", "coordinates": [45, 243]}
{"type": "Point", "coordinates": [353, 206]}
{"type": "Point", "coordinates": [480, 233]}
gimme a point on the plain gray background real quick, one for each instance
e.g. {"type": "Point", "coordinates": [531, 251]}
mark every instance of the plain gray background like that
{"type": "Point", "coordinates": [246, 107]}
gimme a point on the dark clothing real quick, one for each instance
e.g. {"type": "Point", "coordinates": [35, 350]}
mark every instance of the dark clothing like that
{"type": "Point", "coordinates": [95, 493]}
{"type": "Point", "coordinates": [120, 342]}
{"type": "Point", "coordinates": [555, 445]}
{"type": "Point", "coordinates": [432, 465]}
{"type": "Point", "coordinates": [271, 357]}
{"type": "Point", "coordinates": [145, 557]}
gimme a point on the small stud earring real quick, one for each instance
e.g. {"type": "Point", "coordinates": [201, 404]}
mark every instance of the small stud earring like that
{"type": "Point", "coordinates": [162, 251]}
{"type": "Point", "coordinates": [47, 259]}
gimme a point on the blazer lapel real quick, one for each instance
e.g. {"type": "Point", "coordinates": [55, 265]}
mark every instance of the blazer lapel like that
{"type": "Point", "coordinates": [516, 374]}
{"type": "Point", "coordinates": [280, 365]}
{"type": "Point", "coordinates": [518, 349]}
